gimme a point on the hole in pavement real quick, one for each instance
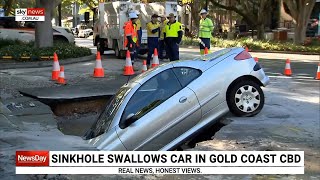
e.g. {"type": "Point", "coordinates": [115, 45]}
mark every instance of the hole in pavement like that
{"type": "Point", "coordinates": [76, 116]}
{"type": "Point", "coordinates": [204, 135]}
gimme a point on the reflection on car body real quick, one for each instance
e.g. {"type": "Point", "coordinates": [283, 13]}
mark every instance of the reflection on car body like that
{"type": "Point", "coordinates": [164, 107]}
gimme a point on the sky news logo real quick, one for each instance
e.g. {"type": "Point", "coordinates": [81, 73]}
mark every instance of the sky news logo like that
{"type": "Point", "coordinates": [30, 14]}
{"type": "Point", "coordinates": [32, 158]}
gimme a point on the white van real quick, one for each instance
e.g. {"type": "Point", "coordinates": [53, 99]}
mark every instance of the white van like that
{"type": "Point", "coordinates": [25, 31]}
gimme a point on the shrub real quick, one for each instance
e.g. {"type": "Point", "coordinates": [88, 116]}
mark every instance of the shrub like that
{"type": "Point", "coordinates": [258, 44]}
{"type": "Point", "coordinates": [64, 50]}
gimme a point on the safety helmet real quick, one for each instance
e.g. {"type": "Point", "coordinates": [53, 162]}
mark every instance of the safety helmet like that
{"type": "Point", "coordinates": [137, 12]}
{"type": "Point", "coordinates": [133, 15]}
{"type": "Point", "coordinates": [203, 11]}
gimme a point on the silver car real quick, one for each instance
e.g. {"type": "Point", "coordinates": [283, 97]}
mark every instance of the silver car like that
{"type": "Point", "coordinates": [166, 106]}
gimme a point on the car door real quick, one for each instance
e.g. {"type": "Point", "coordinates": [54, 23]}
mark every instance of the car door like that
{"type": "Point", "coordinates": [163, 109]}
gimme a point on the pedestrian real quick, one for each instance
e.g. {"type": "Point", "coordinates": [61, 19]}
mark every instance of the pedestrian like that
{"type": "Point", "coordinates": [130, 35]}
{"type": "Point", "coordinates": [162, 47]}
{"type": "Point", "coordinates": [153, 30]}
{"type": "Point", "coordinates": [205, 30]}
{"type": "Point", "coordinates": [172, 37]}
{"type": "Point", "coordinates": [139, 31]}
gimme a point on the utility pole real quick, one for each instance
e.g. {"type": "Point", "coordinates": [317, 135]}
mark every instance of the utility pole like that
{"type": "Point", "coordinates": [59, 14]}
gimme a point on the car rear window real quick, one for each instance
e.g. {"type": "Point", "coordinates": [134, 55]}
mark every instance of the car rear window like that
{"type": "Point", "coordinates": [215, 55]}
{"type": "Point", "coordinates": [186, 75]}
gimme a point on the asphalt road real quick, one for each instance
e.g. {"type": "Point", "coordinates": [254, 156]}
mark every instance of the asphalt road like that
{"type": "Point", "coordinates": [288, 121]}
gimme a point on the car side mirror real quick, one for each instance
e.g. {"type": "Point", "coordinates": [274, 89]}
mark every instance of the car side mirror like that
{"type": "Point", "coordinates": [131, 118]}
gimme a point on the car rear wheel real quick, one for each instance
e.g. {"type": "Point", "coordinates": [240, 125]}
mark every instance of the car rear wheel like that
{"type": "Point", "coordinates": [246, 98]}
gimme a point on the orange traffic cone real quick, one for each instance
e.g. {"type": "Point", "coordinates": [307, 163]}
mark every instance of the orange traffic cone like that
{"type": "Point", "coordinates": [256, 59]}
{"type": "Point", "coordinates": [98, 70]}
{"type": "Point", "coordinates": [144, 66]}
{"type": "Point", "coordinates": [318, 72]}
{"type": "Point", "coordinates": [155, 61]}
{"type": "Point", "coordinates": [128, 69]}
{"type": "Point", "coordinates": [247, 49]}
{"type": "Point", "coordinates": [61, 79]}
{"type": "Point", "coordinates": [55, 67]}
{"type": "Point", "coordinates": [287, 69]}
{"type": "Point", "coordinates": [205, 50]}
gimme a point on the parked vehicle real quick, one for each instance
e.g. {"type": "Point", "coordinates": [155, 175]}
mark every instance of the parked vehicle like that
{"type": "Point", "coordinates": [25, 31]}
{"type": "Point", "coordinates": [109, 18]}
{"type": "Point", "coordinates": [166, 106]}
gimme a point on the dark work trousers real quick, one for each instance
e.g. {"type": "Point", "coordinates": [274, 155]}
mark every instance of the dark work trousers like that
{"type": "Point", "coordinates": [162, 49]}
{"type": "Point", "coordinates": [152, 44]}
{"type": "Point", "coordinates": [206, 42]}
{"type": "Point", "coordinates": [173, 49]}
{"type": "Point", "coordinates": [139, 32]}
{"type": "Point", "coordinates": [132, 49]}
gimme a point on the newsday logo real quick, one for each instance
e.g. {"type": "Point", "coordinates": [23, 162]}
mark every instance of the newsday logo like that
{"type": "Point", "coordinates": [30, 14]}
{"type": "Point", "coordinates": [32, 158]}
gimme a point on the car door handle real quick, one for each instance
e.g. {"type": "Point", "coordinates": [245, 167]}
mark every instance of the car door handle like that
{"type": "Point", "coordinates": [183, 99]}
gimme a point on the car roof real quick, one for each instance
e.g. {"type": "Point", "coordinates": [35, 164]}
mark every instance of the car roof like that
{"type": "Point", "coordinates": [201, 63]}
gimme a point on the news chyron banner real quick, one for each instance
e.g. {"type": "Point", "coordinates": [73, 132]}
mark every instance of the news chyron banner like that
{"type": "Point", "coordinates": [30, 14]}
{"type": "Point", "coordinates": [159, 162]}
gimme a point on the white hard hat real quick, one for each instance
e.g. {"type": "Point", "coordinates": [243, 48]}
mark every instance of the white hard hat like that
{"type": "Point", "coordinates": [203, 11]}
{"type": "Point", "coordinates": [137, 12]}
{"type": "Point", "coordinates": [133, 15]}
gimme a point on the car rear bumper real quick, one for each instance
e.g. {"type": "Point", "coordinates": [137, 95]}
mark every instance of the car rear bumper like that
{"type": "Point", "coordinates": [259, 74]}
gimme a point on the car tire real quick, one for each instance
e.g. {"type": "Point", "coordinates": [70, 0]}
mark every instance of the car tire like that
{"type": "Point", "coordinates": [245, 99]}
{"type": "Point", "coordinates": [100, 46]}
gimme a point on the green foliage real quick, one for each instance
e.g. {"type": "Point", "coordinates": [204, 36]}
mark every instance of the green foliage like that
{"type": "Point", "coordinates": [18, 49]}
{"type": "Point", "coordinates": [257, 44]}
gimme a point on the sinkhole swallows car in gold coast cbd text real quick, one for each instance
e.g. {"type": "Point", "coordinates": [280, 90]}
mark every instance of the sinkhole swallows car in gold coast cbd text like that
{"type": "Point", "coordinates": [166, 106]}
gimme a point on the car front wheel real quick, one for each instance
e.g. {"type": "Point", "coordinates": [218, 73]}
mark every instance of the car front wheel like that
{"type": "Point", "coordinates": [246, 98]}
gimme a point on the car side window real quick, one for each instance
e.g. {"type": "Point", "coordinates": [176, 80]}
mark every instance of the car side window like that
{"type": "Point", "coordinates": [186, 74]}
{"type": "Point", "coordinates": [152, 93]}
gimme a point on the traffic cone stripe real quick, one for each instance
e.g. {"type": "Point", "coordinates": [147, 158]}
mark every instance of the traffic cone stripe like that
{"type": "Point", "coordinates": [155, 61]}
{"type": "Point", "coordinates": [128, 69]}
{"type": "Point", "coordinates": [144, 66]}
{"type": "Point", "coordinates": [318, 72]}
{"type": "Point", "coordinates": [55, 67]}
{"type": "Point", "coordinates": [61, 79]}
{"type": "Point", "coordinates": [287, 70]}
{"type": "Point", "coordinates": [98, 70]}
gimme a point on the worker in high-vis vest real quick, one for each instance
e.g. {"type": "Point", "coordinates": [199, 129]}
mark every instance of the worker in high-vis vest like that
{"type": "Point", "coordinates": [205, 30]}
{"type": "Point", "coordinates": [162, 46]}
{"type": "Point", "coordinates": [130, 35]}
{"type": "Point", "coordinates": [139, 31]}
{"type": "Point", "coordinates": [172, 37]}
{"type": "Point", "coordinates": [153, 30]}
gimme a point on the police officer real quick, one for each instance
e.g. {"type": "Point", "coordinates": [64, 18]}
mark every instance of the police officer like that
{"type": "Point", "coordinates": [205, 29]}
{"type": "Point", "coordinates": [153, 30]}
{"type": "Point", "coordinates": [130, 34]}
{"type": "Point", "coordinates": [172, 37]}
{"type": "Point", "coordinates": [162, 47]}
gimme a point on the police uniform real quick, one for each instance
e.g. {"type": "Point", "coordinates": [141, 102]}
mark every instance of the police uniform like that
{"type": "Point", "coordinates": [205, 29]}
{"type": "Point", "coordinates": [153, 37]}
{"type": "Point", "coordinates": [172, 38]}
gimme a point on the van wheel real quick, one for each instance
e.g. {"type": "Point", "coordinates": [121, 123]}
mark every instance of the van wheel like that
{"type": "Point", "coordinates": [246, 98]}
{"type": "Point", "coordinates": [100, 46]}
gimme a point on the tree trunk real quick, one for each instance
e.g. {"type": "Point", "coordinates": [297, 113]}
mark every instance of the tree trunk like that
{"type": "Point", "coordinates": [260, 33]}
{"type": "Point", "coordinates": [300, 12]}
{"type": "Point", "coordinates": [195, 6]}
{"type": "Point", "coordinates": [44, 32]}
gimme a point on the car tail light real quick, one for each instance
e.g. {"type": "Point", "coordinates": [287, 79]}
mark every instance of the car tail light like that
{"type": "Point", "coordinates": [243, 56]}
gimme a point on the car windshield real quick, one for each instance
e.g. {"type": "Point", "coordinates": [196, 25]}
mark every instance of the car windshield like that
{"type": "Point", "coordinates": [104, 120]}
